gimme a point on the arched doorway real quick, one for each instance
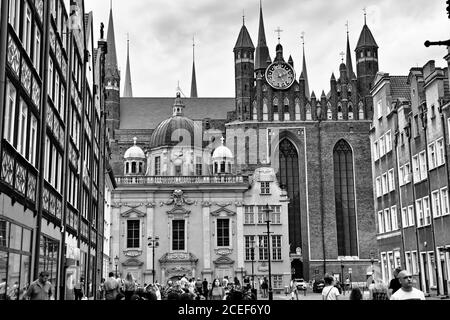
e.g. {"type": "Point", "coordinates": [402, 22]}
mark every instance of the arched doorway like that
{"type": "Point", "coordinates": [288, 176]}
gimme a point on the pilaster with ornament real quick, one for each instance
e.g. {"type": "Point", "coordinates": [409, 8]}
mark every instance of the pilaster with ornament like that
{"type": "Point", "coordinates": [150, 206]}
{"type": "Point", "coordinates": [115, 229]}
{"type": "Point", "coordinates": [206, 208]}
{"type": "Point", "coordinates": [240, 234]}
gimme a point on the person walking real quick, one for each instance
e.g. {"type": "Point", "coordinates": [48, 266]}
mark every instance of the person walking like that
{"type": "Point", "coordinates": [217, 292]}
{"type": "Point", "coordinates": [101, 289]}
{"type": "Point", "coordinates": [394, 284]}
{"type": "Point", "coordinates": [129, 286]}
{"type": "Point", "coordinates": [264, 287]}
{"type": "Point", "coordinates": [407, 291]}
{"type": "Point", "coordinates": [111, 287]}
{"type": "Point", "coordinates": [293, 289]}
{"type": "Point", "coordinates": [330, 292]}
{"type": "Point", "coordinates": [78, 289]}
{"type": "Point", "coordinates": [41, 289]}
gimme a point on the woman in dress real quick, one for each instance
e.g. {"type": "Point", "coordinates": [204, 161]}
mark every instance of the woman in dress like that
{"type": "Point", "coordinates": [216, 292]}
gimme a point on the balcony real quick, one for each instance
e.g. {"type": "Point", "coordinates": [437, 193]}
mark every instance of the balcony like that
{"type": "Point", "coordinates": [173, 180]}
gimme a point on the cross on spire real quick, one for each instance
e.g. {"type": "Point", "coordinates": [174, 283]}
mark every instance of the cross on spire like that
{"type": "Point", "coordinates": [342, 54]}
{"type": "Point", "coordinates": [303, 38]}
{"type": "Point", "coordinates": [223, 140]}
{"type": "Point", "coordinates": [365, 15]}
{"type": "Point", "coordinates": [193, 47]}
{"type": "Point", "coordinates": [279, 31]}
{"type": "Point", "coordinates": [243, 16]}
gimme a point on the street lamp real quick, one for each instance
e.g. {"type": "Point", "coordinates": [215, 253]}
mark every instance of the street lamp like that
{"type": "Point", "coordinates": [267, 210]}
{"type": "Point", "coordinates": [153, 243]}
{"type": "Point", "coordinates": [342, 275]}
{"type": "Point", "coordinates": [372, 261]}
{"type": "Point", "coordinates": [116, 263]}
{"type": "Point", "coordinates": [252, 254]}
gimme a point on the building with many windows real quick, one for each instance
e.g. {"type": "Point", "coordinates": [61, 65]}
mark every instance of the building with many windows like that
{"type": "Point", "coordinates": [52, 144]}
{"type": "Point", "coordinates": [319, 147]}
{"type": "Point", "coordinates": [410, 139]}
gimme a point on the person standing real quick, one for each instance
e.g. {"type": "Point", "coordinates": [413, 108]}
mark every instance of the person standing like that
{"type": "Point", "coordinates": [111, 287]}
{"type": "Point", "coordinates": [407, 291]}
{"type": "Point", "coordinates": [101, 289]}
{"type": "Point", "coordinates": [129, 286]}
{"type": "Point", "coordinates": [356, 294]}
{"type": "Point", "coordinates": [205, 288]}
{"type": "Point", "coordinates": [394, 284]}
{"type": "Point", "coordinates": [78, 289]}
{"type": "Point", "coordinates": [293, 289]}
{"type": "Point", "coordinates": [41, 289]}
{"type": "Point", "coordinates": [217, 292]}
{"type": "Point", "coordinates": [330, 292]}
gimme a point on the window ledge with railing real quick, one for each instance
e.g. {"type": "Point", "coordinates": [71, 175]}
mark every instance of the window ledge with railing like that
{"type": "Point", "coordinates": [169, 180]}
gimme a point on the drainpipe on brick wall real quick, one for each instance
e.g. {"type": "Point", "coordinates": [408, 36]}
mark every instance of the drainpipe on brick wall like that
{"type": "Point", "coordinates": [322, 212]}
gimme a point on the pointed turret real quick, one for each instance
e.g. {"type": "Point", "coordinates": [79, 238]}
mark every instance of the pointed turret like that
{"type": "Point", "coordinates": [333, 78]}
{"type": "Point", "coordinates": [244, 40]}
{"type": "Point", "coordinates": [305, 74]}
{"type": "Point", "coordinates": [351, 75]}
{"type": "Point", "coordinates": [262, 51]}
{"type": "Point", "coordinates": [128, 89]}
{"type": "Point", "coordinates": [291, 61]}
{"type": "Point", "coordinates": [111, 57]}
{"type": "Point", "coordinates": [366, 65]}
{"type": "Point", "coordinates": [244, 74]}
{"type": "Point", "coordinates": [194, 78]}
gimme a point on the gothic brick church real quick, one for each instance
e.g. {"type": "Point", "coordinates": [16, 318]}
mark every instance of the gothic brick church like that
{"type": "Point", "coordinates": [317, 146]}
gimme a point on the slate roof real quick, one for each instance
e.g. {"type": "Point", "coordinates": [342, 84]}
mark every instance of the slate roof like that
{"type": "Point", "coordinates": [366, 38]}
{"type": "Point", "coordinates": [400, 87]}
{"type": "Point", "coordinates": [244, 40]}
{"type": "Point", "coordinates": [147, 113]}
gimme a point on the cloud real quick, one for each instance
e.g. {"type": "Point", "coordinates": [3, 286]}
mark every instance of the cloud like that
{"type": "Point", "coordinates": [161, 37]}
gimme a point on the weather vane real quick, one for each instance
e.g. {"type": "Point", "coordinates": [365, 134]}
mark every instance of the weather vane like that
{"type": "Point", "coordinates": [279, 31]}
{"type": "Point", "coordinates": [365, 15]}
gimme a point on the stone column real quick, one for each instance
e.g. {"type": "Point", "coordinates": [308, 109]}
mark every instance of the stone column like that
{"type": "Point", "coordinates": [115, 231]}
{"type": "Point", "coordinates": [206, 205]}
{"type": "Point", "coordinates": [240, 235]}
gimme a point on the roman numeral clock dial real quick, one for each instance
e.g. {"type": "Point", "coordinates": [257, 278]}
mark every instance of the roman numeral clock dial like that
{"type": "Point", "coordinates": [280, 75]}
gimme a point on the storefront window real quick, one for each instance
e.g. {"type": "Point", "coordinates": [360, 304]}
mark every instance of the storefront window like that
{"type": "Point", "coordinates": [15, 260]}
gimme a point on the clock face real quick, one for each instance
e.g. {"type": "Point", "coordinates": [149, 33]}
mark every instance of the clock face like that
{"type": "Point", "coordinates": [280, 75]}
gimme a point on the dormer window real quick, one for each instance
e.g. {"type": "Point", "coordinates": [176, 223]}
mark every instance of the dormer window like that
{"type": "Point", "coordinates": [265, 187]}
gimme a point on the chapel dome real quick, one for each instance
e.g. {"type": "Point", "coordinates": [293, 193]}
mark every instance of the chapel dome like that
{"type": "Point", "coordinates": [134, 152]}
{"type": "Point", "coordinates": [222, 152]}
{"type": "Point", "coordinates": [176, 130]}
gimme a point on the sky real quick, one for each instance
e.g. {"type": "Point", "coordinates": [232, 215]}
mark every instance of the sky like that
{"type": "Point", "coordinates": [161, 33]}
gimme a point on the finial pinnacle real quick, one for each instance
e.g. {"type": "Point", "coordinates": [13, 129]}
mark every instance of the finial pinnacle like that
{"type": "Point", "coordinates": [346, 25]}
{"type": "Point", "coordinates": [365, 15]}
{"type": "Point", "coordinates": [342, 54]}
{"type": "Point", "coordinates": [303, 38]}
{"type": "Point", "coordinates": [223, 140]}
{"type": "Point", "coordinates": [278, 30]}
{"type": "Point", "coordinates": [243, 17]}
{"type": "Point", "coordinates": [135, 140]}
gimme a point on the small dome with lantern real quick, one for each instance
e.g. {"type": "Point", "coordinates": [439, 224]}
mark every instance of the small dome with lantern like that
{"type": "Point", "coordinates": [134, 160]}
{"type": "Point", "coordinates": [223, 159]}
{"type": "Point", "coordinates": [134, 152]}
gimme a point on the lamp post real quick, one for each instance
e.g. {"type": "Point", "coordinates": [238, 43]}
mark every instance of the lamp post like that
{"type": "Point", "coordinates": [372, 261]}
{"type": "Point", "coordinates": [116, 263]}
{"type": "Point", "coordinates": [153, 243]}
{"type": "Point", "coordinates": [252, 254]}
{"type": "Point", "coordinates": [267, 210]}
{"type": "Point", "coordinates": [342, 276]}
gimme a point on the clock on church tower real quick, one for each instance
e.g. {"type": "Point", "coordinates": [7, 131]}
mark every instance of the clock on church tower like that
{"type": "Point", "coordinates": [280, 75]}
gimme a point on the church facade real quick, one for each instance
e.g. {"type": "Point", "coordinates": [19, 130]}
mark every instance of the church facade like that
{"type": "Point", "coordinates": [312, 150]}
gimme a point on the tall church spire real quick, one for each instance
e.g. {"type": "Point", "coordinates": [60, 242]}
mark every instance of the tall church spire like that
{"type": "Point", "coordinates": [262, 51]}
{"type": "Point", "coordinates": [305, 70]}
{"type": "Point", "coordinates": [194, 78]}
{"type": "Point", "coordinates": [350, 73]}
{"type": "Point", "coordinates": [111, 56]}
{"type": "Point", "coordinates": [128, 90]}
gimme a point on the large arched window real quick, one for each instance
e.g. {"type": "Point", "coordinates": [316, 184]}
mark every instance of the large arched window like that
{"type": "Point", "coordinates": [344, 188]}
{"type": "Point", "coordinates": [289, 179]}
